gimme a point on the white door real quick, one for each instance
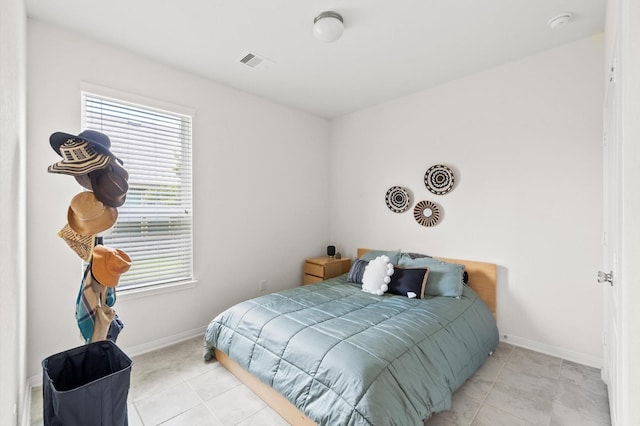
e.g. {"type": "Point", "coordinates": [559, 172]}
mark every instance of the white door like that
{"type": "Point", "coordinates": [610, 275]}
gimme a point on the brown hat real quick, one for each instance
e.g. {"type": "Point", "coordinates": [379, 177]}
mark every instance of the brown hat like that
{"type": "Point", "coordinates": [85, 181]}
{"type": "Point", "coordinates": [108, 264]}
{"type": "Point", "coordinates": [108, 184]}
{"type": "Point", "coordinates": [81, 244]}
{"type": "Point", "coordinates": [88, 216]}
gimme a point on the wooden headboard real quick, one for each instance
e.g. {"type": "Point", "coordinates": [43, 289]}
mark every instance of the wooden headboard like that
{"type": "Point", "coordinates": [482, 277]}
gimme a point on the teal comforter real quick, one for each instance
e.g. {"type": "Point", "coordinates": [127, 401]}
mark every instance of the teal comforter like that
{"type": "Point", "coordinates": [346, 357]}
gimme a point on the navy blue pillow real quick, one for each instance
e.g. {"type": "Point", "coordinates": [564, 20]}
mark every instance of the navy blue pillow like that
{"type": "Point", "coordinates": [408, 280]}
{"type": "Point", "coordinates": [356, 271]}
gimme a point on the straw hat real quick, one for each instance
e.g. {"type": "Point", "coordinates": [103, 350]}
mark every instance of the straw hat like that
{"type": "Point", "coordinates": [81, 244]}
{"type": "Point", "coordinates": [98, 141]}
{"type": "Point", "coordinates": [108, 264]}
{"type": "Point", "coordinates": [78, 158]}
{"type": "Point", "coordinates": [81, 154]}
{"type": "Point", "coordinates": [88, 216]}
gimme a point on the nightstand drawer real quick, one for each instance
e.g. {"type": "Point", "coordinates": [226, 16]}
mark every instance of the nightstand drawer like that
{"type": "Point", "coordinates": [310, 279]}
{"type": "Point", "coordinates": [314, 269]}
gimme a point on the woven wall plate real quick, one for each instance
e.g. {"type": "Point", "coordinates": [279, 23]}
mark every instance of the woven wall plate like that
{"type": "Point", "coordinates": [397, 199]}
{"type": "Point", "coordinates": [426, 213]}
{"type": "Point", "coordinates": [439, 179]}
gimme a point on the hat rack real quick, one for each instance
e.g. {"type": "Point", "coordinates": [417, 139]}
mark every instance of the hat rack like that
{"type": "Point", "coordinates": [87, 157]}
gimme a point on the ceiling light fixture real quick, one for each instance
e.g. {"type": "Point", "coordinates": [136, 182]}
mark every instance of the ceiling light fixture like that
{"type": "Point", "coordinates": [328, 26]}
{"type": "Point", "coordinates": [560, 20]}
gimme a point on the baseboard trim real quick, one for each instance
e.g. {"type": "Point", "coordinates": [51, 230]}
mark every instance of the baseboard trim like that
{"type": "Point", "coordinates": [163, 342]}
{"type": "Point", "coordinates": [566, 354]}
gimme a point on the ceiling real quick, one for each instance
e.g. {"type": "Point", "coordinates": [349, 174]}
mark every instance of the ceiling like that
{"type": "Point", "coordinates": [390, 48]}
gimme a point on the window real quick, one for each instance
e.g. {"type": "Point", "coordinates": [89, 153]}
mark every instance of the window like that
{"type": "Point", "coordinates": [154, 225]}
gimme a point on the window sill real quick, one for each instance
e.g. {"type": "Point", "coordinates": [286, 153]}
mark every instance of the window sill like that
{"type": "Point", "coordinates": [135, 293]}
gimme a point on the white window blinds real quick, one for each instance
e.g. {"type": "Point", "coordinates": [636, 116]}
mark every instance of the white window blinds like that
{"type": "Point", "coordinates": [154, 225]}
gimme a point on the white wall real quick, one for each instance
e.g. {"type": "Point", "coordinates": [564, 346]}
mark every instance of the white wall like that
{"type": "Point", "coordinates": [524, 140]}
{"type": "Point", "coordinates": [13, 282]}
{"type": "Point", "coordinates": [260, 192]}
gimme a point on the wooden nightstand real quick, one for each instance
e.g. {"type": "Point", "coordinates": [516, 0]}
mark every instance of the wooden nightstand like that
{"type": "Point", "coordinates": [325, 267]}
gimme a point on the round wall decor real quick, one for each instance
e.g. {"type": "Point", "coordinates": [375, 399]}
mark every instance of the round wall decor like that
{"type": "Point", "coordinates": [397, 199]}
{"type": "Point", "coordinates": [439, 179]}
{"type": "Point", "coordinates": [426, 213]}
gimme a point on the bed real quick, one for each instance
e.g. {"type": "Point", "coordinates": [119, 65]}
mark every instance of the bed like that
{"type": "Point", "coordinates": [331, 354]}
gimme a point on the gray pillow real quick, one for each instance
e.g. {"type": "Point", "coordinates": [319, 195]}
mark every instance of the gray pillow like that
{"type": "Point", "coordinates": [394, 256]}
{"type": "Point", "coordinates": [445, 279]}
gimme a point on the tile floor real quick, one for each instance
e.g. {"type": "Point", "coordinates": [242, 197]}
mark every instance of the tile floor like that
{"type": "Point", "coordinates": [515, 386]}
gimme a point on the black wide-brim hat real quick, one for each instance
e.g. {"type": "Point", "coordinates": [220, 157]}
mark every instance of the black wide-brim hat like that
{"type": "Point", "coordinates": [98, 141]}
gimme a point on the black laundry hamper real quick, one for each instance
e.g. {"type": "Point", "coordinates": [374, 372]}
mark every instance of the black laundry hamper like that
{"type": "Point", "coordinates": [87, 386]}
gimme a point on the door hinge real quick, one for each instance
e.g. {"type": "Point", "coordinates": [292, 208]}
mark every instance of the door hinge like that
{"type": "Point", "coordinates": [604, 277]}
{"type": "Point", "coordinates": [612, 74]}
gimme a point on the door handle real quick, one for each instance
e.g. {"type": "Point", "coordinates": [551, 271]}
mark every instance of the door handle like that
{"type": "Point", "coordinates": [604, 277]}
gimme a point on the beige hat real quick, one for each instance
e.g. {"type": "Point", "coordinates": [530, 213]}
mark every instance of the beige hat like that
{"type": "Point", "coordinates": [108, 264]}
{"type": "Point", "coordinates": [88, 216]}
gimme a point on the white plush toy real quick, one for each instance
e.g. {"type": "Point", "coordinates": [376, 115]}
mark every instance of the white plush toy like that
{"type": "Point", "coordinates": [377, 275]}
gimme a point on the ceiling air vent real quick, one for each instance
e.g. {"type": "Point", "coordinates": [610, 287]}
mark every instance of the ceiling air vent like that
{"type": "Point", "coordinates": [255, 61]}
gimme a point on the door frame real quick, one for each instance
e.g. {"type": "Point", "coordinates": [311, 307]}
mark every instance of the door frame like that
{"type": "Point", "coordinates": [624, 406]}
